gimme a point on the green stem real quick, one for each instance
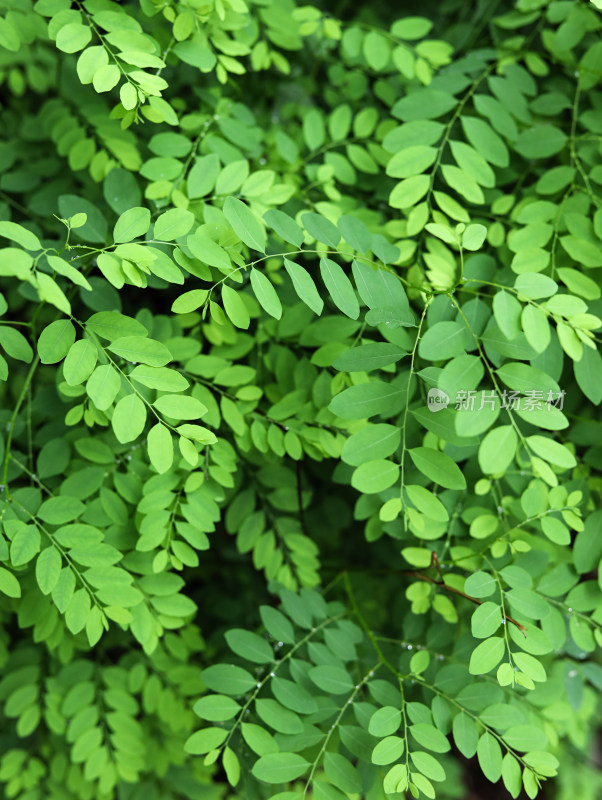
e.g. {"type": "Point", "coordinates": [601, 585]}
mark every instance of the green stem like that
{"type": "Point", "coordinates": [13, 420]}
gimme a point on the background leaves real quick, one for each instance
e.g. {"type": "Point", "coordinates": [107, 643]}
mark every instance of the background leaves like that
{"type": "Point", "coordinates": [299, 317]}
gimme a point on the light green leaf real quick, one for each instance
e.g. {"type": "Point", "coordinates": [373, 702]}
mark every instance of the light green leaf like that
{"type": "Point", "coordinates": [140, 348]}
{"type": "Point", "coordinates": [19, 234]}
{"type": "Point", "coordinates": [173, 224]}
{"type": "Point", "coordinates": [497, 450]}
{"type": "Point", "coordinates": [388, 750]}
{"type": "Point", "coordinates": [235, 307]}
{"type": "Point", "coordinates": [250, 646]}
{"type": "Point", "coordinates": [438, 467]}
{"type": "Point", "coordinates": [367, 357]}
{"type": "Point", "coordinates": [489, 754]}
{"type": "Point", "coordinates": [340, 288]}
{"type": "Point", "coordinates": [280, 767]}
{"type": "Point", "coordinates": [385, 721]}
{"type": "Point", "coordinates": [48, 569]}
{"type": "Point", "coordinates": [102, 386]}
{"type": "Point", "coordinates": [486, 620]}
{"type": "Point", "coordinates": [129, 418]}
{"type": "Point", "coordinates": [374, 476]}
{"type": "Point", "coordinates": [203, 741]}
{"type": "Point", "coordinates": [160, 448]}
{"type": "Point", "coordinates": [80, 361]}
{"type": "Point", "coordinates": [266, 294]}
{"type": "Point", "coordinates": [216, 708]}
{"type": "Point", "coordinates": [9, 585]}
{"type": "Point", "coordinates": [245, 224]}
{"type": "Point", "coordinates": [486, 656]}
{"type": "Point", "coordinates": [304, 286]}
{"type": "Point", "coordinates": [285, 226]}
{"type": "Point", "coordinates": [131, 224]}
{"type": "Point", "coordinates": [442, 341]}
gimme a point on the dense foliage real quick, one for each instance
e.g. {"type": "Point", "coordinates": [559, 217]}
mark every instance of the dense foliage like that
{"type": "Point", "coordinates": [300, 438]}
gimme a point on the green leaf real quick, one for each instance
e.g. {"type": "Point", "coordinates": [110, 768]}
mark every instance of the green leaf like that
{"type": "Point", "coordinates": [9, 585]}
{"type": "Point", "coordinates": [484, 139]}
{"type": "Point", "coordinates": [245, 224]}
{"type": "Point", "coordinates": [342, 773]}
{"type": "Point", "coordinates": [428, 765]}
{"type": "Point", "coordinates": [430, 737]}
{"type": "Point", "coordinates": [15, 344]}
{"type": "Point", "coordinates": [427, 503]}
{"type": "Point", "coordinates": [216, 708]}
{"type": "Point", "coordinates": [540, 141]}
{"type": "Point", "coordinates": [321, 229]}
{"type": "Point", "coordinates": [280, 767]}
{"type": "Point", "coordinates": [366, 399]}
{"type": "Point", "coordinates": [304, 286]}
{"type": "Point", "coordinates": [552, 451]}
{"type": "Point", "coordinates": [528, 603]}
{"type": "Point", "coordinates": [129, 418]}
{"type": "Point", "coordinates": [588, 374]}
{"type": "Point", "coordinates": [285, 226]}
{"type": "Point", "coordinates": [497, 450]}
{"type": "Point", "coordinates": [80, 362]}
{"type": "Point", "coordinates": [250, 646]}
{"type": "Point", "coordinates": [173, 224]}
{"type": "Point", "coordinates": [277, 624]}
{"type": "Point", "coordinates": [48, 569]}
{"type": "Point", "coordinates": [160, 448]}
{"type": "Point", "coordinates": [161, 378]}
{"type": "Point", "coordinates": [340, 288]}
{"type": "Point", "coordinates": [25, 545]}
{"type": "Point", "coordinates": [106, 78]}
{"type": "Point", "coordinates": [206, 250]}
{"type": "Point", "coordinates": [466, 734]}
{"type": "Point", "coordinates": [103, 385]}
{"type": "Point", "coordinates": [331, 679]}
{"type": "Point", "coordinates": [388, 750]}
{"type": "Point", "coordinates": [438, 467]}
{"type": "Point", "coordinates": [58, 510]}
{"type": "Point", "coordinates": [112, 325]}
{"type": "Point", "coordinates": [374, 476]}
{"type": "Point", "coordinates": [266, 294]}
{"type": "Point", "coordinates": [385, 721]}
{"type": "Point", "coordinates": [203, 741]}
{"type": "Point", "coordinates": [189, 301]}
{"type": "Point", "coordinates": [131, 224]}
{"type": "Point", "coordinates": [22, 236]}
{"type": "Point", "coordinates": [235, 307]}
{"type": "Point", "coordinates": [180, 406]}
{"type": "Point", "coordinates": [228, 679]}
{"type": "Point", "coordinates": [511, 775]}
{"type": "Point", "coordinates": [73, 37]}
{"type": "Point", "coordinates": [473, 237]}
{"type": "Point", "coordinates": [411, 161]}
{"type": "Point", "coordinates": [355, 233]}
{"type": "Point", "coordinates": [368, 357]}
{"type": "Point", "coordinates": [293, 696]}
{"type": "Point", "coordinates": [141, 349]}
{"type": "Point", "coordinates": [370, 443]}
{"type": "Point", "coordinates": [203, 175]}
{"type": "Point", "coordinates": [489, 754]}
{"type": "Point", "coordinates": [486, 656]}
{"type": "Point", "coordinates": [55, 341]}
{"type": "Point", "coordinates": [409, 192]}
{"type": "Point", "coordinates": [486, 620]}
{"type": "Point", "coordinates": [442, 341]}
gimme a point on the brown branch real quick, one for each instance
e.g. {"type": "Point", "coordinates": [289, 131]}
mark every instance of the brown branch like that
{"type": "Point", "coordinates": [422, 577]}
